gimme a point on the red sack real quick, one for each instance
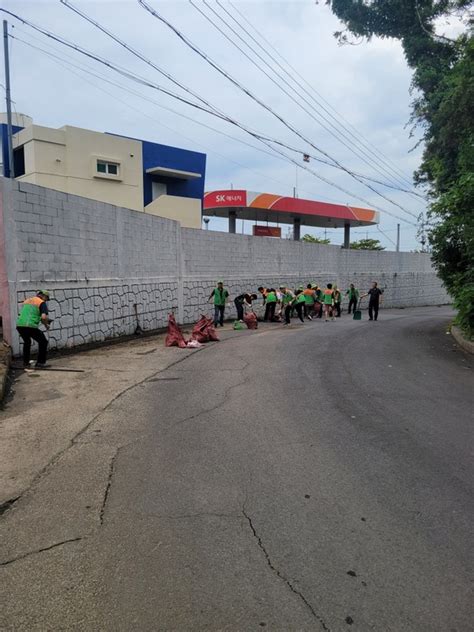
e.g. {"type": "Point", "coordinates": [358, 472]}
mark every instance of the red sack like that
{"type": "Point", "coordinates": [174, 337]}
{"type": "Point", "coordinates": [204, 330]}
{"type": "Point", "coordinates": [250, 320]}
{"type": "Point", "coordinates": [199, 330]}
{"type": "Point", "coordinates": [211, 330]}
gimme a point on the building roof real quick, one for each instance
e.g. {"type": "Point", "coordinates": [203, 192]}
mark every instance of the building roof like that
{"type": "Point", "coordinates": [280, 209]}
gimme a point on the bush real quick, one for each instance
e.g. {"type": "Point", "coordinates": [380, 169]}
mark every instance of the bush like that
{"type": "Point", "coordinates": [464, 303]}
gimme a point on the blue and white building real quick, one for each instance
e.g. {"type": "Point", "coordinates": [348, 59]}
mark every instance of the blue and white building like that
{"type": "Point", "coordinates": [133, 173]}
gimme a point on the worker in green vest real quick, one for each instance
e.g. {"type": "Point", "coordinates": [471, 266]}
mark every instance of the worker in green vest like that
{"type": "Point", "coordinates": [270, 305]}
{"type": "Point", "coordinates": [353, 294]}
{"type": "Point", "coordinates": [309, 296]}
{"type": "Point", "coordinates": [220, 296]}
{"type": "Point", "coordinates": [34, 312]}
{"type": "Point", "coordinates": [297, 303]}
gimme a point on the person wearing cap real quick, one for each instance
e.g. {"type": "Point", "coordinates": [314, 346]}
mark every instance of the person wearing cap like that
{"type": "Point", "coordinates": [34, 312]}
{"type": "Point", "coordinates": [220, 295]}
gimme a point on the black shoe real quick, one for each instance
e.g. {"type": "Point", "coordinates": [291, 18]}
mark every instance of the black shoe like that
{"type": "Point", "coordinates": [371, 319]}
{"type": "Point", "coordinates": [42, 365]}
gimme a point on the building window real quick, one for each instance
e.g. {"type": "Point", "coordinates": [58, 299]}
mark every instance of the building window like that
{"type": "Point", "coordinates": [109, 168]}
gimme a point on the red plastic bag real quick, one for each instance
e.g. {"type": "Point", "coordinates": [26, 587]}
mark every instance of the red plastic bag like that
{"type": "Point", "coordinates": [199, 330]}
{"type": "Point", "coordinates": [174, 337]}
{"type": "Point", "coordinates": [211, 330]}
{"type": "Point", "coordinates": [250, 320]}
{"type": "Point", "coordinates": [204, 330]}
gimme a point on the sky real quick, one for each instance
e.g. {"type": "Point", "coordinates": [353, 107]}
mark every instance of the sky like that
{"type": "Point", "coordinates": [364, 90]}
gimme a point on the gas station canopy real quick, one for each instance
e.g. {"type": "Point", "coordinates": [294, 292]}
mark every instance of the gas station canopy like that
{"type": "Point", "coordinates": [266, 207]}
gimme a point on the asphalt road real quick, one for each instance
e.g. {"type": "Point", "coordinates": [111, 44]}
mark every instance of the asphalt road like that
{"type": "Point", "coordinates": [315, 478]}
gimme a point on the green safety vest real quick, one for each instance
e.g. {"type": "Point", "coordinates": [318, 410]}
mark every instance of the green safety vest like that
{"type": "Point", "coordinates": [219, 296]}
{"type": "Point", "coordinates": [287, 298]}
{"type": "Point", "coordinates": [301, 298]}
{"type": "Point", "coordinates": [271, 297]}
{"type": "Point", "coordinates": [30, 315]}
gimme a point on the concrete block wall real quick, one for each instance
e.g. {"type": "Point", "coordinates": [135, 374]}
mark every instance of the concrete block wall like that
{"type": "Point", "coordinates": [103, 264]}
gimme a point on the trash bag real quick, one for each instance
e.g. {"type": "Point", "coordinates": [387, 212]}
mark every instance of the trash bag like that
{"type": "Point", "coordinates": [199, 332]}
{"type": "Point", "coordinates": [211, 330]}
{"type": "Point", "coordinates": [204, 330]}
{"type": "Point", "coordinates": [174, 337]}
{"type": "Point", "coordinates": [250, 319]}
{"type": "Point", "coordinates": [238, 326]}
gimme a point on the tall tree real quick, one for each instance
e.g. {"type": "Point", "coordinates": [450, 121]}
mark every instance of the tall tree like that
{"type": "Point", "coordinates": [443, 85]}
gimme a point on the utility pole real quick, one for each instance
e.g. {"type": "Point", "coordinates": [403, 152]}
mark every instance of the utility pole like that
{"type": "Point", "coordinates": [8, 100]}
{"type": "Point", "coordinates": [398, 238]}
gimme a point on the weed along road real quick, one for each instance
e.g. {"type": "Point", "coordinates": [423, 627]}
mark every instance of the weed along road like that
{"type": "Point", "coordinates": [315, 478]}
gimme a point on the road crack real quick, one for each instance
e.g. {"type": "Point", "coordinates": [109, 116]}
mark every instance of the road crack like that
{"type": "Point", "coordinates": [219, 404]}
{"type": "Point", "coordinates": [42, 550]}
{"type": "Point", "coordinates": [108, 486]}
{"type": "Point", "coordinates": [280, 575]}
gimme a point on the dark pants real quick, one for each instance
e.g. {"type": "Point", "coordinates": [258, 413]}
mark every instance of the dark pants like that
{"type": "Point", "coordinates": [269, 311]}
{"type": "Point", "coordinates": [219, 315]}
{"type": "Point", "coordinates": [299, 310]}
{"type": "Point", "coordinates": [318, 308]}
{"type": "Point", "coordinates": [239, 306]}
{"type": "Point", "coordinates": [352, 303]}
{"type": "Point", "coordinates": [337, 307]}
{"type": "Point", "coordinates": [27, 333]}
{"type": "Point", "coordinates": [373, 311]}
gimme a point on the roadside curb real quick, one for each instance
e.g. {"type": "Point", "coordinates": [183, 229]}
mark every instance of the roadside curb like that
{"type": "Point", "coordinates": [458, 336]}
{"type": "Point", "coordinates": [5, 361]}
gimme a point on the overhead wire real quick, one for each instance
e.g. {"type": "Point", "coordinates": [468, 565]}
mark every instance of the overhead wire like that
{"type": "Point", "coordinates": [315, 114]}
{"type": "Point", "coordinates": [295, 73]}
{"type": "Point", "coordinates": [145, 82]}
{"type": "Point", "coordinates": [260, 102]}
{"type": "Point", "coordinates": [150, 63]}
{"type": "Point", "coordinates": [68, 65]}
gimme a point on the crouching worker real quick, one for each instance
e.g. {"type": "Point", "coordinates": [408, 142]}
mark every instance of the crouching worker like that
{"type": "Point", "coordinates": [33, 312]}
{"type": "Point", "coordinates": [242, 303]}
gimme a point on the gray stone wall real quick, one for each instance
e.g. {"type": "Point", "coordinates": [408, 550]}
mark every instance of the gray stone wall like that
{"type": "Point", "coordinates": [99, 261]}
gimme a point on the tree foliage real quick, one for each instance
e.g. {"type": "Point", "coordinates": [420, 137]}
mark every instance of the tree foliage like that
{"type": "Point", "coordinates": [314, 240]}
{"type": "Point", "coordinates": [367, 244]}
{"type": "Point", "coordinates": [443, 88]}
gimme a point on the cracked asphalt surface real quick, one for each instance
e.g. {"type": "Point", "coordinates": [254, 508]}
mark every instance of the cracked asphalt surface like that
{"type": "Point", "coordinates": [317, 478]}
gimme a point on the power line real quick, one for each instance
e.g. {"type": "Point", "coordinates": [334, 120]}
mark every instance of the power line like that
{"type": "Point", "coordinates": [265, 106]}
{"type": "Point", "coordinates": [295, 72]}
{"type": "Point", "coordinates": [314, 114]}
{"type": "Point", "coordinates": [128, 74]}
{"type": "Point", "coordinates": [65, 64]}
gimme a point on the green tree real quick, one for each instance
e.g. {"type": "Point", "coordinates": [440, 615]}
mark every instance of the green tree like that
{"type": "Point", "coordinates": [315, 240]}
{"type": "Point", "coordinates": [367, 244]}
{"type": "Point", "coordinates": [443, 85]}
